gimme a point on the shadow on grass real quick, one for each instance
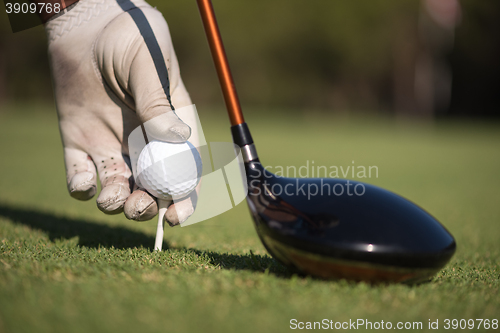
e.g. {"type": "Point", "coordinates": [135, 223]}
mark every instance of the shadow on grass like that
{"type": "Point", "coordinates": [93, 235]}
{"type": "Point", "coordinates": [252, 262]}
{"type": "Point", "coordinates": [90, 234]}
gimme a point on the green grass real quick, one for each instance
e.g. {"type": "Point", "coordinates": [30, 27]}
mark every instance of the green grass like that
{"type": "Point", "coordinates": [66, 267]}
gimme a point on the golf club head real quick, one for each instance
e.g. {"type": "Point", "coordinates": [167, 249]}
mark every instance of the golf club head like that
{"type": "Point", "coordinates": [337, 228]}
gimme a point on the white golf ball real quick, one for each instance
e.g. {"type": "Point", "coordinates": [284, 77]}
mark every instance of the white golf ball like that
{"type": "Point", "coordinates": [169, 170]}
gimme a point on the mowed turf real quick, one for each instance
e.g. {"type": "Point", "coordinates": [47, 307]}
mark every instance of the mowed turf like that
{"type": "Point", "coordinates": [66, 267]}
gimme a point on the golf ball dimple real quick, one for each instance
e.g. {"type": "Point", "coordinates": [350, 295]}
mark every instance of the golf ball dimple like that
{"type": "Point", "coordinates": [169, 170]}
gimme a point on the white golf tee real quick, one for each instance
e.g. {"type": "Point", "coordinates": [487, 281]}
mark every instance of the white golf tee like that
{"type": "Point", "coordinates": [162, 205]}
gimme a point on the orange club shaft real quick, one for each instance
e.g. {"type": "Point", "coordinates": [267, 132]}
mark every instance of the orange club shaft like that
{"type": "Point", "coordinates": [221, 63]}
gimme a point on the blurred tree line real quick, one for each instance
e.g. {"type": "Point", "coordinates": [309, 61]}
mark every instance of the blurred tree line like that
{"type": "Point", "coordinates": [337, 56]}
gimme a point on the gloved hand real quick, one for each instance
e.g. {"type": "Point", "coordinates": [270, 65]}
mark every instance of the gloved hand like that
{"type": "Point", "coordinates": [113, 68]}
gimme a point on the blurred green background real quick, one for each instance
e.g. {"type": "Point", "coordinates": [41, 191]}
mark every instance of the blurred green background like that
{"type": "Point", "coordinates": [333, 56]}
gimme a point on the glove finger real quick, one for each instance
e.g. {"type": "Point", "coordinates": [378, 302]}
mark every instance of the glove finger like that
{"type": "Point", "coordinates": [115, 177]}
{"type": "Point", "coordinates": [81, 174]}
{"type": "Point", "coordinates": [141, 66]}
{"type": "Point", "coordinates": [181, 210]}
{"type": "Point", "coordinates": [153, 93]}
{"type": "Point", "coordinates": [166, 127]}
{"type": "Point", "coordinates": [140, 206]}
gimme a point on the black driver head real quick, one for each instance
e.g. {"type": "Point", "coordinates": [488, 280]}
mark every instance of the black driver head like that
{"type": "Point", "coordinates": [337, 228]}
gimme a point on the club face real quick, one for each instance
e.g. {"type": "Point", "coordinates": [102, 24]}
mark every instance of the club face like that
{"type": "Point", "coordinates": [336, 228]}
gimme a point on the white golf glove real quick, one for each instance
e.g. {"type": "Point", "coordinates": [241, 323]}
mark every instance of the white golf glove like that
{"type": "Point", "coordinates": [114, 68]}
